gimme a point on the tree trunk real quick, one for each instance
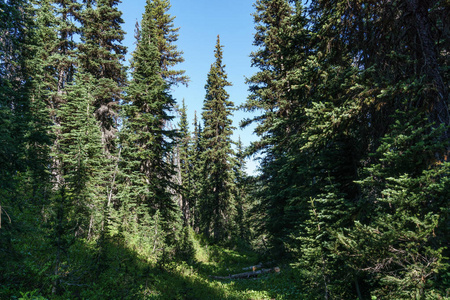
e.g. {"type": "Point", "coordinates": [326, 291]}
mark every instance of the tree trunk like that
{"type": "Point", "coordinates": [439, 110]}
{"type": "Point", "coordinates": [248, 274]}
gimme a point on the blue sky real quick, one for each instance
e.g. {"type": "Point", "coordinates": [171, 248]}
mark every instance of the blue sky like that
{"type": "Point", "coordinates": [200, 22]}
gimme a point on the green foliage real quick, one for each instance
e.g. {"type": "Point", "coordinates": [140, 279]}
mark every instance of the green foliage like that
{"type": "Point", "coordinates": [354, 136]}
{"type": "Point", "coordinates": [353, 119]}
{"type": "Point", "coordinates": [185, 166]}
{"type": "Point", "coordinates": [165, 36]}
{"type": "Point", "coordinates": [101, 54]}
{"type": "Point", "coordinates": [145, 200]}
{"type": "Point", "coordinates": [216, 204]}
{"type": "Point", "coordinates": [402, 246]}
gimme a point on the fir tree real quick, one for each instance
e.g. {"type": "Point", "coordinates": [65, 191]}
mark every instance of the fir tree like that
{"type": "Point", "coordinates": [400, 243]}
{"type": "Point", "coordinates": [146, 141]}
{"type": "Point", "coordinates": [78, 204]}
{"type": "Point", "coordinates": [278, 92]}
{"type": "Point", "coordinates": [196, 166]}
{"type": "Point", "coordinates": [101, 54]}
{"type": "Point", "coordinates": [217, 202]}
{"type": "Point", "coordinates": [25, 124]}
{"type": "Point", "coordinates": [81, 157]}
{"type": "Point", "coordinates": [242, 197]}
{"type": "Point", "coordinates": [184, 165]}
{"type": "Point", "coordinates": [165, 37]}
{"type": "Point", "coordinates": [24, 134]}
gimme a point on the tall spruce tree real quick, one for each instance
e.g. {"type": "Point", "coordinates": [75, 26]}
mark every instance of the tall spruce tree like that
{"type": "Point", "coordinates": [310, 140]}
{"type": "Point", "coordinates": [196, 166]}
{"type": "Point", "coordinates": [165, 37]}
{"type": "Point", "coordinates": [242, 226]}
{"type": "Point", "coordinates": [217, 200]}
{"type": "Point", "coordinates": [347, 90]}
{"type": "Point", "coordinates": [184, 165]}
{"type": "Point", "coordinates": [78, 205]}
{"type": "Point", "coordinates": [146, 140]}
{"type": "Point", "coordinates": [276, 91]}
{"type": "Point", "coordinates": [24, 117]}
{"type": "Point", "coordinates": [67, 15]}
{"type": "Point", "coordinates": [102, 55]}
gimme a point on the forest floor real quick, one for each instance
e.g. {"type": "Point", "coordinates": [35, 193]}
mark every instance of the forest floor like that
{"type": "Point", "coordinates": [124, 275]}
{"type": "Point", "coordinates": [193, 280]}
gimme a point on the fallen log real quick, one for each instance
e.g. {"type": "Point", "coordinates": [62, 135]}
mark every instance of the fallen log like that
{"type": "Point", "coordinates": [253, 268]}
{"type": "Point", "coordinates": [247, 274]}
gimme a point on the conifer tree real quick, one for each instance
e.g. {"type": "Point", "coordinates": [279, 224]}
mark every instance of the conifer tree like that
{"type": "Point", "coordinates": [57, 58]}
{"type": "Point", "coordinates": [25, 131]}
{"type": "Point", "coordinates": [14, 101]}
{"type": "Point", "coordinates": [102, 54]}
{"type": "Point", "coordinates": [309, 141]}
{"type": "Point", "coordinates": [82, 158]}
{"type": "Point", "coordinates": [272, 21]}
{"type": "Point", "coordinates": [24, 134]}
{"type": "Point", "coordinates": [400, 244]}
{"type": "Point", "coordinates": [184, 165]}
{"type": "Point", "coordinates": [165, 37]}
{"type": "Point", "coordinates": [242, 226]}
{"type": "Point", "coordinates": [79, 202]}
{"type": "Point", "coordinates": [145, 139]}
{"type": "Point", "coordinates": [196, 167]}
{"type": "Point", "coordinates": [398, 79]}
{"type": "Point", "coordinates": [276, 91]}
{"type": "Point", "coordinates": [217, 200]}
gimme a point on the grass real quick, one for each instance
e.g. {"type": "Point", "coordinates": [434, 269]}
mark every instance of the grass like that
{"type": "Point", "coordinates": [191, 281]}
{"type": "Point", "coordinates": [126, 276]}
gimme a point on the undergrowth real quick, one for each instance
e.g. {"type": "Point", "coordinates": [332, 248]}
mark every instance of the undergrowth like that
{"type": "Point", "coordinates": [125, 275]}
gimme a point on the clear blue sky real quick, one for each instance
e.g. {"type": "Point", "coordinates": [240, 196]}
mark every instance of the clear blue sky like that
{"type": "Point", "coordinates": [200, 22]}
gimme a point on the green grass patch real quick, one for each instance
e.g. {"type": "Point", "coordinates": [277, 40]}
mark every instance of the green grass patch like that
{"type": "Point", "coordinates": [123, 274]}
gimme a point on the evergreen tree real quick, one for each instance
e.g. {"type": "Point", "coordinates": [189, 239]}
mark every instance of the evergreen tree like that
{"type": "Point", "coordinates": [242, 227]}
{"type": "Point", "coordinates": [102, 54]}
{"type": "Point", "coordinates": [25, 125]}
{"type": "Point", "coordinates": [278, 92]}
{"type": "Point", "coordinates": [79, 203]}
{"type": "Point", "coordinates": [81, 157]}
{"type": "Point", "coordinates": [24, 138]}
{"type": "Point", "coordinates": [217, 202]}
{"type": "Point", "coordinates": [165, 37]}
{"type": "Point", "coordinates": [145, 139]}
{"type": "Point", "coordinates": [184, 165]}
{"type": "Point", "coordinates": [271, 18]}
{"type": "Point", "coordinates": [195, 170]}
{"type": "Point", "coordinates": [13, 103]}
{"type": "Point", "coordinates": [400, 244]}
{"type": "Point", "coordinates": [400, 90]}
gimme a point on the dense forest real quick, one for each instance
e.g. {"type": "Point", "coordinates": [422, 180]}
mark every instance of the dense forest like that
{"type": "Point", "coordinates": [106, 193]}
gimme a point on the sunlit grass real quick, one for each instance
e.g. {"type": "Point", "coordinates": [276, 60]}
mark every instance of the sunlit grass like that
{"type": "Point", "coordinates": [129, 276]}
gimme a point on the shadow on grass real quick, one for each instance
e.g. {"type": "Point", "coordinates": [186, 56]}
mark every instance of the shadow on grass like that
{"type": "Point", "coordinates": [121, 274]}
{"type": "Point", "coordinates": [223, 262]}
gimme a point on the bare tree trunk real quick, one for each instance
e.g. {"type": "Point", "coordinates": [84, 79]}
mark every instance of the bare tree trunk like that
{"type": "Point", "coordinates": [247, 274]}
